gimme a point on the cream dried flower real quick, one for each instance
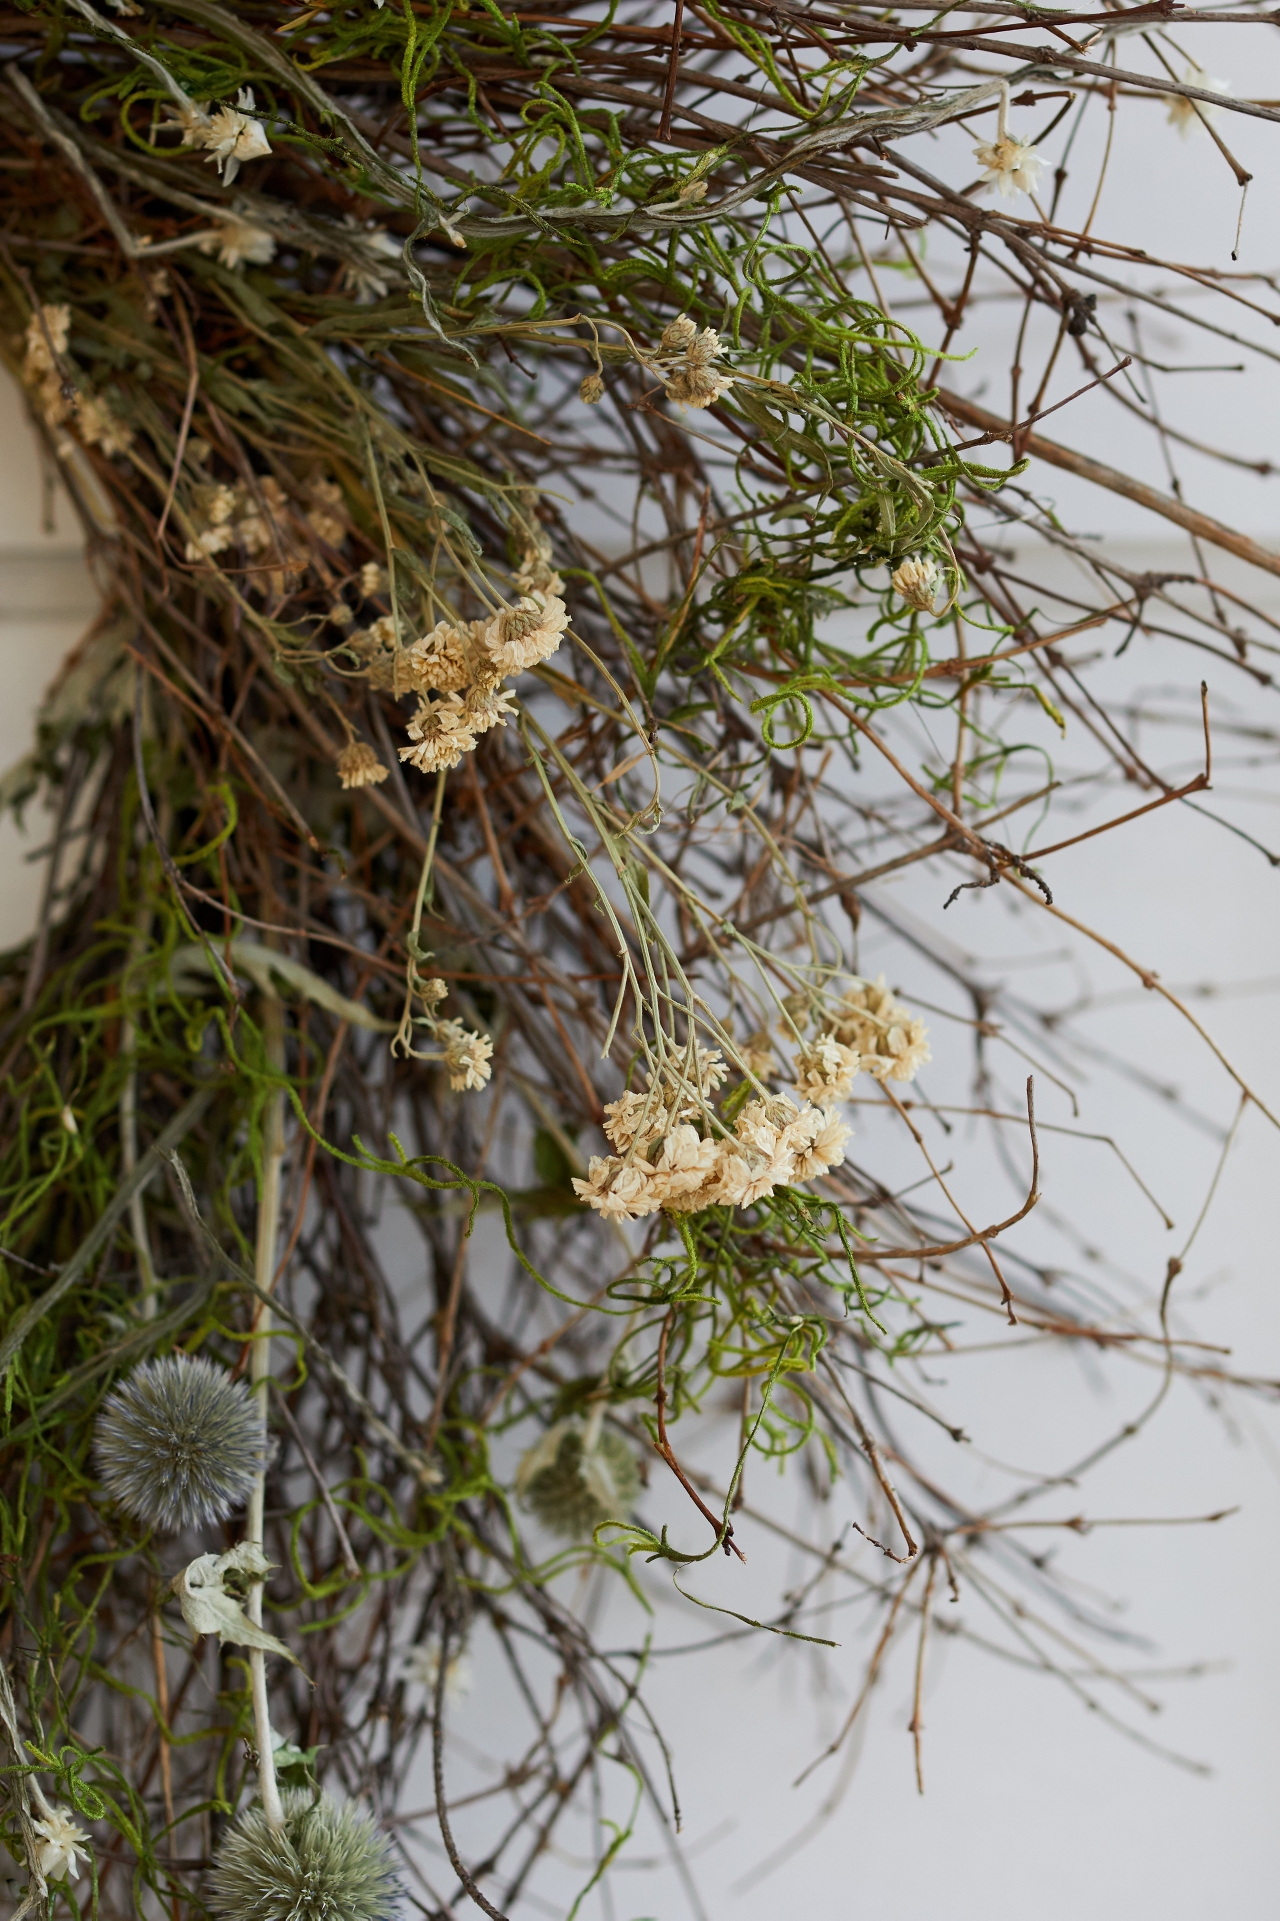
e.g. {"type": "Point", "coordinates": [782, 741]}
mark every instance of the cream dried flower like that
{"type": "Point", "coordinates": [61, 1845]}
{"type": "Point", "coordinates": [440, 659]}
{"type": "Point", "coordinates": [488, 707]}
{"type": "Point", "coordinates": [359, 766]}
{"type": "Point", "coordinates": [327, 516]}
{"type": "Point", "coordinates": [686, 1161]}
{"type": "Point", "coordinates": [713, 1069]}
{"type": "Point", "coordinates": [233, 136]}
{"type": "Point", "coordinates": [634, 1116]}
{"type": "Point", "coordinates": [745, 1175]}
{"type": "Point", "coordinates": [591, 389]}
{"type": "Point", "coordinates": [916, 581]}
{"type": "Point", "coordinates": [892, 1044]}
{"type": "Point", "coordinates": [617, 1189]}
{"type": "Point", "coordinates": [817, 1141]}
{"type": "Point", "coordinates": [239, 241]}
{"type": "Point", "coordinates": [1186, 115]}
{"type": "Point", "coordinates": [535, 574]}
{"type": "Point", "coordinates": [756, 1053]}
{"type": "Point", "coordinates": [421, 1664]}
{"type": "Point", "coordinates": [904, 1050]}
{"type": "Point", "coordinates": [698, 387]}
{"type": "Point", "coordinates": [209, 541]}
{"type": "Point", "coordinates": [439, 735]}
{"type": "Point", "coordinates": [50, 326]}
{"type": "Point", "coordinates": [1012, 165]}
{"type": "Point", "coordinates": [191, 119]}
{"type": "Point", "coordinates": [99, 426]}
{"type": "Point", "coordinates": [679, 335]}
{"type": "Point", "coordinates": [521, 637]}
{"type": "Point", "coordinates": [466, 1055]}
{"type": "Point", "coordinates": [825, 1071]}
{"type": "Point", "coordinates": [373, 579]}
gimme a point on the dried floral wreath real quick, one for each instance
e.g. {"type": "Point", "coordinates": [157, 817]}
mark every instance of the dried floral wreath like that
{"type": "Point", "coordinates": [526, 535]}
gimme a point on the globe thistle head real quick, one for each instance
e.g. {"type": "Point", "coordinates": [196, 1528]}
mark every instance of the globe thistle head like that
{"type": "Point", "coordinates": [178, 1443]}
{"type": "Point", "coordinates": [573, 1478]}
{"type": "Point", "coordinates": [328, 1863]}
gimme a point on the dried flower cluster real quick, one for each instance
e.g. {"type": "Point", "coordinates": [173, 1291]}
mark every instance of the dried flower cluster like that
{"type": "Point", "coordinates": [686, 360]}
{"type": "Point", "coordinates": [50, 377]}
{"type": "Point", "coordinates": [674, 1153]}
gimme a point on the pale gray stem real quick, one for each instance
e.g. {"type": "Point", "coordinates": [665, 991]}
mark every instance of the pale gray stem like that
{"type": "Point", "coordinates": [260, 1375]}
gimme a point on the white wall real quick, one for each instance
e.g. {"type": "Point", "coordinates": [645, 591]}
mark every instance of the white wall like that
{"type": "Point", "coordinates": [46, 599]}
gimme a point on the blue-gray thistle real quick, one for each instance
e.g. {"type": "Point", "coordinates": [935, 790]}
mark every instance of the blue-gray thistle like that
{"type": "Point", "coordinates": [178, 1443]}
{"type": "Point", "coordinates": [328, 1863]}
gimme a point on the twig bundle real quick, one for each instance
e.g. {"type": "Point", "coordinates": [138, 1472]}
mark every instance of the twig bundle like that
{"type": "Point", "coordinates": [526, 535]}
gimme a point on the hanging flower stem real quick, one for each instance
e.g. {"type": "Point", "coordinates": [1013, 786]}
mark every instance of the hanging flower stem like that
{"type": "Point", "coordinates": [269, 1195]}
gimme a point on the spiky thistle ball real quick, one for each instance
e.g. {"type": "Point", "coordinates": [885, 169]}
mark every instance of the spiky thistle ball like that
{"type": "Point", "coordinates": [328, 1863]}
{"type": "Point", "coordinates": [573, 1479]}
{"type": "Point", "coordinates": [178, 1443]}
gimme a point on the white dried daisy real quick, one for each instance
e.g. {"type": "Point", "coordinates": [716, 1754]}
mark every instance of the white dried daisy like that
{"type": "Point", "coordinates": [522, 637]}
{"type": "Point", "coordinates": [466, 1055]}
{"type": "Point", "coordinates": [488, 707]}
{"type": "Point", "coordinates": [233, 136]}
{"type": "Point", "coordinates": [617, 1189]}
{"type": "Point", "coordinates": [916, 581]}
{"type": "Point", "coordinates": [825, 1071]}
{"type": "Point", "coordinates": [237, 242]}
{"type": "Point", "coordinates": [1186, 115]}
{"type": "Point", "coordinates": [440, 660]}
{"type": "Point", "coordinates": [1011, 165]}
{"type": "Point", "coordinates": [439, 735]}
{"type": "Point", "coordinates": [817, 1141]}
{"type": "Point", "coordinates": [178, 1443]}
{"type": "Point", "coordinates": [61, 1845]}
{"type": "Point", "coordinates": [421, 1665]}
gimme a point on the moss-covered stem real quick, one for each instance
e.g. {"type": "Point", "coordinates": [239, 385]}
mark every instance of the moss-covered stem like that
{"type": "Point", "coordinates": [259, 1373]}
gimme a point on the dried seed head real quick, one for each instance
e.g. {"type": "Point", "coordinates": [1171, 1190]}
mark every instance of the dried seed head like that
{"type": "Point", "coordinates": [591, 390]}
{"type": "Point", "coordinates": [178, 1443]}
{"type": "Point", "coordinates": [572, 1482]}
{"type": "Point", "coordinates": [328, 1863]}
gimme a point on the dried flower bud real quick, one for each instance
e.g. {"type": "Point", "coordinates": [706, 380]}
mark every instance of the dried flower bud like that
{"type": "Point", "coordinates": [916, 580]}
{"type": "Point", "coordinates": [591, 390]}
{"type": "Point", "coordinates": [359, 766]}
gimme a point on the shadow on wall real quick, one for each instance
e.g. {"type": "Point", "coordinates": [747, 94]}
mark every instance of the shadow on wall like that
{"type": "Point", "coordinates": [46, 600]}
